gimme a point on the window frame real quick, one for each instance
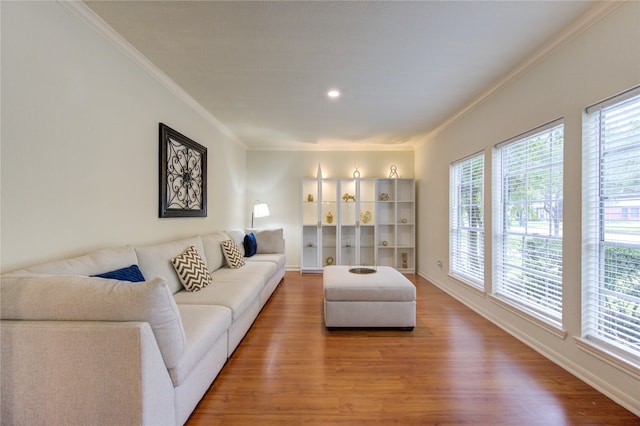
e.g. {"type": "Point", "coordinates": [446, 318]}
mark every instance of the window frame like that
{"type": "Point", "coordinates": [508, 280]}
{"type": "Point", "coordinates": [596, 269]}
{"type": "Point", "coordinates": [472, 274]}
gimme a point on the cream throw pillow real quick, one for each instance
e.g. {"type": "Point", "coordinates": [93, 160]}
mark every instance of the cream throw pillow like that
{"type": "Point", "coordinates": [232, 254]}
{"type": "Point", "coordinates": [191, 270]}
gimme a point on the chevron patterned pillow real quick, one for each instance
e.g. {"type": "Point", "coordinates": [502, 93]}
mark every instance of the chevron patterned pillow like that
{"type": "Point", "coordinates": [191, 270]}
{"type": "Point", "coordinates": [232, 254]}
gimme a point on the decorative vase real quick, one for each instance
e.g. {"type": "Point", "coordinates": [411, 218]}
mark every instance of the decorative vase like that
{"type": "Point", "coordinates": [365, 216]}
{"type": "Point", "coordinates": [329, 218]}
{"type": "Point", "coordinates": [310, 198]}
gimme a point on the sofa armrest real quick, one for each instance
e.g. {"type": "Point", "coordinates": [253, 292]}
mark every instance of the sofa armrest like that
{"type": "Point", "coordinates": [83, 372]}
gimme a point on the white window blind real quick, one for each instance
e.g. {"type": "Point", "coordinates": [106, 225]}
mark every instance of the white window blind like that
{"type": "Point", "coordinates": [611, 253]}
{"type": "Point", "coordinates": [466, 216]}
{"type": "Point", "coordinates": [528, 207]}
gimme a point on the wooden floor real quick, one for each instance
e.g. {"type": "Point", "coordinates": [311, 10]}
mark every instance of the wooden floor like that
{"type": "Point", "coordinates": [454, 368]}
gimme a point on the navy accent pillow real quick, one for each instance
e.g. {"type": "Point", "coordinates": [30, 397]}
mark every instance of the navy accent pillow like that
{"type": "Point", "coordinates": [250, 245]}
{"type": "Point", "coordinates": [132, 273]}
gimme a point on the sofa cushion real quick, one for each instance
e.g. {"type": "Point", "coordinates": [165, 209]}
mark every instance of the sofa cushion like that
{"type": "Point", "coordinates": [278, 259]}
{"type": "Point", "coordinates": [269, 240]}
{"type": "Point", "coordinates": [131, 274]}
{"type": "Point", "coordinates": [263, 269]}
{"type": "Point", "coordinates": [191, 270]}
{"type": "Point", "coordinates": [80, 298]}
{"type": "Point", "coordinates": [203, 326]}
{"type": "Point", "coordinates": [213, 250]}
{"type": "Point", "coordinates": [232, 253]}
{"type": "Point", "coordinates": [236, 292]}
{"type": "Point", "coordinates": [155, 260]}
{"type": "Point", "coordinates": [93, 263]}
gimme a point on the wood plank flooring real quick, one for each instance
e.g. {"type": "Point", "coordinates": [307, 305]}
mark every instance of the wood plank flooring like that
{"type": "Point", "coordinates": [454, 368]}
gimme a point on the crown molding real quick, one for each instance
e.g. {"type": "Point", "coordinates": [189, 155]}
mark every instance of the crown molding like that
{"type": "Point", "coordinates": [89, 17]}
{"type": "Point", "coordinates": [336, 148]}
{"type": "Point", "coordinates": [580, 25]}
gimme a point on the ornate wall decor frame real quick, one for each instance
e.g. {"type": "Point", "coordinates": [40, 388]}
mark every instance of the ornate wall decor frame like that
{"type": "Point", "coordinates": [183, 175]}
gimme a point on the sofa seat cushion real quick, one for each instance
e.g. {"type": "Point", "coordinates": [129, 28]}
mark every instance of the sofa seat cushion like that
{"type": "Point", "coordinates": [79, 298]}
{"type": "Point", "coordinates": [98, 262]}
{"type": "Point", "coordinates": [263, 269]}
{"type": "Point", "coordinates": [203, 326]}
{"type": "Point", "coordinates": [155, 260]}
{"type": "Point", "coordinates": [278, 259]}
{"type": "Point", "coordinates": [236, 294]}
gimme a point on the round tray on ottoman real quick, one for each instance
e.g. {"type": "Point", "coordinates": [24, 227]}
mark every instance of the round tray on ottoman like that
{"type": "Point", "coordinates": [362, 270]}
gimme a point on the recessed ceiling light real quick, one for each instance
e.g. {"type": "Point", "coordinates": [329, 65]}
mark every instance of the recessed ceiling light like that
{"type": "Point", "coordinates": [333, 93]}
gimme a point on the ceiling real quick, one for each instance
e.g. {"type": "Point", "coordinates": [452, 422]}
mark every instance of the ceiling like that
{"type": "Point", "coordinates": [263, 68]}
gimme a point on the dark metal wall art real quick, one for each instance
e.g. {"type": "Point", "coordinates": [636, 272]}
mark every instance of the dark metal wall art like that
{"type": "Point", "coordinates": [183, 175]}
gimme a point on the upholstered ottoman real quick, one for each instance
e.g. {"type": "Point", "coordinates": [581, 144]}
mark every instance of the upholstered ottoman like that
{"type": "Point", "coordinates": [385, 298]}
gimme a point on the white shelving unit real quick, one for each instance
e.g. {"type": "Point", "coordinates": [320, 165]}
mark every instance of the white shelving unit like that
{"type": "Point", "coordinates": [395, 225]}
{"type": "Point", "coordinates": [358, 222]}
{"type": "Point", "coordinates": [319, 223]}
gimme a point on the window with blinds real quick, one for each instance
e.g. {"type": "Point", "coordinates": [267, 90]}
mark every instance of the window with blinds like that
{"type": "Point", "coordinates": [466, 216]}
{"type": "Point", "coordinates": [611, 252]}
{"type": "Point", "coordinates": [528, 209]}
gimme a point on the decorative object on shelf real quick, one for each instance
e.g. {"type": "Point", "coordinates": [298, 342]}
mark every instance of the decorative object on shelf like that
{"type": "Point", "coordinates": [329, 218]}
{"type": "Point", "coordinates": [346, 197]}
{"type": "Point", "coordinates": [404, 257]}
{"type": "Point", "coordinates": [310, 198]}
{"type": "Point", "coordinates": [329, 261]}
{"type": "Point", "coordinates": [309, 244]}
{"type": "Point", "coordinates": [365, 216]}
{"type": "Point", "coordinates": [393, 172]}
{"type": "Point", "coordinates": [385, 243]}
{"type": "Point", "coordinates": [383, 197]}
{"type": "Point", "coordinates": [403, 220]}
{"type": "Point", "coordinates": [259, 210]}
{"type": "Point", "coordinates": [183, 175]}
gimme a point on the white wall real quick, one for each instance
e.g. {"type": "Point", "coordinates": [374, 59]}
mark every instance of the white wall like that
{"type": "Point", "coordinates": [80, 144]}
{"type": "Point", "coordinates": [274, 177]}
{"type": "Point", "coordinates": [598, 63]}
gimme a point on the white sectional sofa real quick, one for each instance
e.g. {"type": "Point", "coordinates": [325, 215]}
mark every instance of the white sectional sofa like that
{"type": "Point", "coordinates": [77, 349]}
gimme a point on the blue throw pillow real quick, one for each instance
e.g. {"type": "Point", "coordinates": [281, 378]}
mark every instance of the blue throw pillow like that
{"type": "Point", "coordinates": [250, 245]}
{"type": "Point", "coordinates": [132, 273]}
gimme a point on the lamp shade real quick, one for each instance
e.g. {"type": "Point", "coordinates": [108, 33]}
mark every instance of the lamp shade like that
{"type": "Point", "coordinates": [260, 210]}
